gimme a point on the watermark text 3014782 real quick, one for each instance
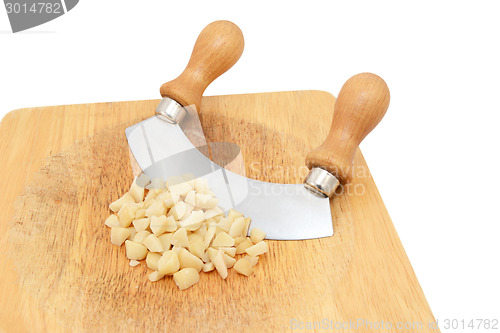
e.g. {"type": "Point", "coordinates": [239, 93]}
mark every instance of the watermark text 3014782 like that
{"type": "Point", "coordinates": [26, 14]}
{"type": "Point", "coordinates": [471, 325]}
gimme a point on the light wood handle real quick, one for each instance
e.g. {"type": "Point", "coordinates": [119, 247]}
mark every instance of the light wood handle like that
{"type": "Point", "coordinates": [361, 105]}
{"type": "Point", "coordinates": [218, 48]}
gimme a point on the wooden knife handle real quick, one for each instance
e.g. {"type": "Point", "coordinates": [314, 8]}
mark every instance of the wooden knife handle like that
{"type": "Point", "coordinates": [360, 106]}
{"type": "Point", "coordinates": [218, 48]}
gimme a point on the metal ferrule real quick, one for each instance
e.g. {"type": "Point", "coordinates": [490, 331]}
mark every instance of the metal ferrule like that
{"type": "Point", "coordinates": [321, 183]}
{"type": "Point", "coordinates": [170, 111]}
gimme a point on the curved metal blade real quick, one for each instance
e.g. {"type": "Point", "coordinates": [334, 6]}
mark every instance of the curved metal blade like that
{"type": "Point", "coordinates": [282, 211]}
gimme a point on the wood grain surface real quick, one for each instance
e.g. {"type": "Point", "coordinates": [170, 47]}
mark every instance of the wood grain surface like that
{"type": "Point", "coordinates": [63, 165]}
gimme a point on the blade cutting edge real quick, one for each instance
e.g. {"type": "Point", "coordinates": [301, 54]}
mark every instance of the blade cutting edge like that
{"type": "Point", "coordinates": [283, 211]}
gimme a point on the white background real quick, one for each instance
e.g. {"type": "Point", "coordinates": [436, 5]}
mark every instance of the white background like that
{"type": "Point", "coordinates": [434, 156]}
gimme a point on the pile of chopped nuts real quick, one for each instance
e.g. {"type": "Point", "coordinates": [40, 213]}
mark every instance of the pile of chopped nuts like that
{"type": "Point", "coordinates": [180, 230]}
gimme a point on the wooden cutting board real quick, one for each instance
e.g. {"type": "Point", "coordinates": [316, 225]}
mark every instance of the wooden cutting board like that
{"type": "Point", "coordinates": [63, 165]}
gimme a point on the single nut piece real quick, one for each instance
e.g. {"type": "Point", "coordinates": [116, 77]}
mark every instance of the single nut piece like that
{"type": "Point", "coordinates": [126, 215]}
{"type": "Point", "coordinates": [257, 235]}
{"type": "Point", "coordinates": [244, 267]}
{"type": "Point", "coordinates": [119, 235]}
{"type": "Point", "coordinates": [186, 277]}
{"type": "Point", "coordinates": [189, 260]}
{"type": "Point", "coordinates": [152, 260]}
{"type": "Point", "coordinates": [136, 191]}
{"type": "Point", "coordinates": [112, 221]}
{"type": "Point", "coordinates": [135, 250]}
{"type": "Point", "coordinates": [141, 224]}
{"type": "Point", "coordinates": [155, 276]}
{"type": "Point", "coordinates": [237, 227]}
{"type": "Point", "coordinates": [220, 265]}
{"type": "Point", "coordinates": [153, 243]}
{"type": "Point", "coordinates": [257, 249]}
{"type": "Point", "coordinates": [223, 239]}
{"type": "Point", "coordinates": [208, 267]}
{"type": "Point", "coordinates": [118, 204]}
{"type": "Point", "coordinates": [168, 263]}
{"type": "Point", "coordinates": [180, 238]}
{"type": "Point", "coordinates": [252, 260]}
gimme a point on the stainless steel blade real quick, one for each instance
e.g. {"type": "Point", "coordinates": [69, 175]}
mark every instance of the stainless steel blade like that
{"type": "Point", "coordinates": [283, 211]}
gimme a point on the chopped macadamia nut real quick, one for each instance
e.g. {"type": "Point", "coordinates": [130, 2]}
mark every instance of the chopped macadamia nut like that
{"type": "Point", "coordinates": [119, 235]}
{"type": "Point", "coordinates": [218, 218]}
{"type": "Point", "coordinates": [168, 264]}
{"type": "Point", "coordinates": [132, 233]}
{"type": "Point", "coordinates": [257, 235]}
{"type": "Point", "coordinates": [223, 239]}
{"type": "Point", "coordinates": [157, 184]}
{"type": "Point", "coordinates": [220, 265]}
{"type": "Point", "coordinates": [193, 221]}
{"type": "Point", "coordinates": [187, 259]}
{"type": "Point", "coordinates": [186, 277]}
{"type": "Point", "coordinates": [237, 227]}
{"type": "Point", "coordinates": [224, 225]}
{"type": "Point", "coordinates": [151, 196]}
{"type": "Point", "coordinates": [257, 249]}
{"type": "Point", "coordinates": [155, 276]}
{"type": "Point", "coordinates": [190, 198]}
{"type": "Point", "coordinates": [230, 251]}
{"type": "Point", "coordinates": [189, 210]}
{"type": "Point", "coordinates": [206, 201]}
{"type": "Point", "coordinates": [148, 204]}
{"type": "Point", "coordinates": [201, 231]}
{"type": "Point", "coordinates": [118, 204]}
{"type": "Point", "coordinates": [243, 246]}
{"type": "Point", "coordinates": [212, 253]}
{"type": "Point", "coordinates": [141, 224]}
{"type": "Point", "coordinates": [247, 226]}
{"type": "Point", "coordinates": [136, 191]}
{"type": "Point", "coordinates": [180, 238]}
{"type": "Point", "coordinates": [228, 260]}
{"type": "Point", "coordinates": [209, 213]}
{"type": "Point", "coordinates": [153, 243]}
{"type": "Point", "coordinates": [135, 250]}
{"type": "Point", "coordinates": [177, 249]}
{"type": "Point", "coordinates": [208, 267]}
{"type": "Point", "coordinates": [152, 260]}
{"type": "Point", "coordinates": [165, 241]}
{"type": "Point", "coordinates": [112, 221]}
{"type": "Point", "coordinates": [133, 263]}
{"type": "Point", "coordinates": [252, 260]}
{"type": "Point", "coordinates": [207, 240]}
{"type": "Point", "coordinates": [181, 188]}
{"type": "Point", "coordinates": [173, 180]}
{"type": "Point", "coordinates": [197, 247]}
{"type": "Point", "coordinates": [201, 185]}
{"type": "Point", "coordinates": [239, 240]}
{"type": "Point", "coordinates": [205, 257]}
{"type": "Point", "coordinates": [233, 214]}
{"type": "Point", "coordinates": [161, 224]}
{"type": "Point", "coordinates": [179, 210]}
{"type": "Point", "coordinates": [168, 199]}
{"type": "Point", "coordinates": [244, 267]}
{"type": "Point", "coordinates": [141, 236]}
{"type": "Point", "coordinates": [156, 209]}
{"type": "Point", "coordinates": [143, 180]}
{"type": "Point", "coordinates": [126, 215]}
{"type": "Point", "coordinates": [140, 213]}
